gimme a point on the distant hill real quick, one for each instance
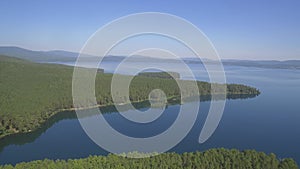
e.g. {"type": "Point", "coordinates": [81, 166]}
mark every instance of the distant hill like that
{"type": "Point", "coordinates": [65, 56]}
{"type": "Point", "coordinates": [59, 55]}
{"type": "Point", "coordinates": [38, 56]}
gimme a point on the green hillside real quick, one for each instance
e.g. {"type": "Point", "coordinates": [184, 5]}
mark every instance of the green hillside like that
{"type": "Point", "coordinates": [31, 93]}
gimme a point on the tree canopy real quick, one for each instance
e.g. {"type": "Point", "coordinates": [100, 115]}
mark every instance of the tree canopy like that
{"type": "Point", "coordinates": [210, 159]}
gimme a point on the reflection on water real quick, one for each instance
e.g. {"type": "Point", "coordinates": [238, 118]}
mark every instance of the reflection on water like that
{"type": "Point", "coordinates": [23, 138]}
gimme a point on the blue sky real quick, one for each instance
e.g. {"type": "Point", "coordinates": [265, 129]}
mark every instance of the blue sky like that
{"type": "Point", "coordinates": [248, 29]}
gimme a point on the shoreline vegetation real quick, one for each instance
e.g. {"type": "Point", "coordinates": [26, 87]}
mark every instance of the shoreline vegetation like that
{"type": "Point", "coordinates": [31, 93]}
{"type": "Point", "coordinates": [212, 158]}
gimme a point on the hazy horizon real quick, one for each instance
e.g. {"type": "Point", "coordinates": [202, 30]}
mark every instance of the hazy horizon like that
{"type": "Point", "coordinates": [123, 55]}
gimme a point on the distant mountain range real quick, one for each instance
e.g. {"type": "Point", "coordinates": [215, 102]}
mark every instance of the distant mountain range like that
{"type": "Point", "coordinates": [65, 56]}
{"type": "Point", "coordinates": [38, 56]}
{"type": "Point", "coordinates": [60, 55]}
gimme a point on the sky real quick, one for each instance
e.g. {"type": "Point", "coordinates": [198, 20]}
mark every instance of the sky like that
{"type": "Point", "coordinates": [248, 29]}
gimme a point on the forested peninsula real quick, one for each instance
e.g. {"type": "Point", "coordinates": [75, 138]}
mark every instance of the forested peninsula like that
{"type": "Point", "coordinates": [30, 93]}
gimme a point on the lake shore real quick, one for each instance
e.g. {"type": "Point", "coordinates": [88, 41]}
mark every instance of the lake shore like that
{"type": "Point", "coordinates": [74, 109]}
{"type": "Point", "coordinates": [171, 100]}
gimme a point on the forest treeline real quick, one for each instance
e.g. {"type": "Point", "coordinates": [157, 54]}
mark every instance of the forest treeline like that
{"type": "Point", "coordinates": [30, 93]}
{"type": "Point", "coordinates": [164, 75]}
{"type": "Point", "coordinates": [210, 159]}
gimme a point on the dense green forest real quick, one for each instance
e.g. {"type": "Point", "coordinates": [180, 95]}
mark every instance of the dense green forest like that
{"type": "Point", "coordinates": [210, 159]}
{"type": "Point", "coordinates": [30, 93]}
{"type": "Point", "coordinates": [165, 75]}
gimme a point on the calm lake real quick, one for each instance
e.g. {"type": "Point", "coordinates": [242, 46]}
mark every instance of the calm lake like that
{"type": "Point", "coordinates": [269, 122]}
